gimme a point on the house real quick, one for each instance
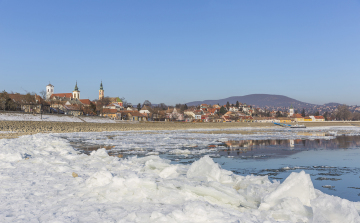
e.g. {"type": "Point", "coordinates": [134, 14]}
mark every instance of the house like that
{"type": "Point", "coordinates": [307, 119]}
{"type": "Point", "coordinates": [131, 115]}
{"type": "Point", "coordinates": [116, 100]}
{"type": "Point", "coordinates": [284, 119]}
{"type": "Point", "coordinates": [145, 110]}
{"type": "Point", "coordinates": [212, 111]}
{"type": "Point", "coordinates": [198, 115]}
{"type": "Point", "coordinates": [317, 118]}
{"type": "Point", "coordinates": [204, 106]}
{"type": "Point", "coordinates": [246, 119]}
{"type": "Point", "coordinates": [297, 117]}
{"type": "Point", "coordinates": [264, 119]}
{"type": "Point", "coordinates": [74, 110]}
{"type": "Point", "coordinates": [85, 102]}
{"type": "Point", "coordinates": [28, 102]}
{"type": "Point", "coordinates": [110, 113]}
{"type": "Point", "coordinates": [216, 106]}
{"type": "Point", "coordinates": [113, 106]}
{"type": "Point", "coordinates": [233, 109]}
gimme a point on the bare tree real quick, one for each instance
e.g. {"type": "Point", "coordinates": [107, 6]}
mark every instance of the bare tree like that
{"type": "Point", "coordinates": [343, 113]}
{"type": "Point", "coordinates": [147, 103]}
{"type": "Point", "coordinates": [43, 94]}
{"type": "Point", "coordinates": [101, 103]}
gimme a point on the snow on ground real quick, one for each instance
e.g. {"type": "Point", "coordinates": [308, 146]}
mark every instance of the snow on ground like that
{"type": "Point", "coordinates": [43, 179]}
{"type": "Point", "coordinates": [51, 118]}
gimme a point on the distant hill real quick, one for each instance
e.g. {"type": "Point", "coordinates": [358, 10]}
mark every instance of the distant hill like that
{"type": "Point", "coordinates": [332, 104]}
{"type": "Point", "coordinates": [258, 100]}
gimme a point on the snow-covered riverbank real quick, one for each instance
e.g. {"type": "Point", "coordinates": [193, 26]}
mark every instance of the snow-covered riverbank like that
{"type": "Point", "coordinates": [38, 184]}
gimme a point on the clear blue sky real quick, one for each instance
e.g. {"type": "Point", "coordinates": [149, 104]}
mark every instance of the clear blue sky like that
{"type": "Point", "coordinates": [182, 51]}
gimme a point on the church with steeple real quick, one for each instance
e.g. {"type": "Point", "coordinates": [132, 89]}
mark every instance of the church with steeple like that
{"type": "Point", "coordinates": [50, 94]}
{"type": "Point", "coordinates": [76, 92]}
{"type": "Point", "coordinates": [101, 91]}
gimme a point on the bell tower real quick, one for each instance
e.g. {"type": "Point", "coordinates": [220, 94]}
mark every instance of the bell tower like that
{"type": "Point", "coordinates": [49, 91]}
{"type": "Point", "coordinates": [101, 91]}
{"type": "Point", "coordinates": [291, 111]}
{"type": "Point", "coordinates": [76, 92]}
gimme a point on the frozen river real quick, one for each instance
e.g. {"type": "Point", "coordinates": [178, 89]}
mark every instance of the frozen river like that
{"type": "Point", "coordinates": [234, 175]}
{"type": "Point", "coordinates": [330, 155]}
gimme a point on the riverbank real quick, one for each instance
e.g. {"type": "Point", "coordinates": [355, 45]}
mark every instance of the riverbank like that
{"type": "Point", "coordinates": [12, 129]}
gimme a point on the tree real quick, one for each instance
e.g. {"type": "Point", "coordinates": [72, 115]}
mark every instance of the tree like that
{"type": "Point", "coordinates": [43, 94]}
{"type": "Point", "coordinates": [326, 116]}
{"type": "Point", "coordinates": [185, 107]}
{"type": "Point", "coordinates": [227, 105]}
{"type": "Point", "coordinates": [162, 106]}
{"type": "Point", "coordinates": [147, 103]}
{"type": "Point", "coordinates": [303, 112]}
{"type": "Point", "coordinates": [237, 104]}
{"type": "Point", "coordinates": [317, 113]}
{"type": "Point", "coordinates": [222, 110]}
{"type": "Point", "coordinates": [278, 114]}
{"type": "Point", "coordinates": [343, 113]}
{"type": "Point", "coordinates": [6, 102]}
{"type": "Point", "coordinates": [139, 107]}
{"type": "Point", "coordinates": [101, 103]}
{"type": "Point", "coordinates": [125, 103]}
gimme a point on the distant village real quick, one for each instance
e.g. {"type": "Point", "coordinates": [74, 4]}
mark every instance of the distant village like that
{"type": "Point", "coordinates": [50, 102]}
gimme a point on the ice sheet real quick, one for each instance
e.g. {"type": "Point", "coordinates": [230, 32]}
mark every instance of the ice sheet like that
{"type": "Point", "coordinates": [38, 184]}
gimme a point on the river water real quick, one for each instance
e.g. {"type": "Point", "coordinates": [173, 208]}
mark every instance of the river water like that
{"type": "Point", "coordinates": [330, 155]}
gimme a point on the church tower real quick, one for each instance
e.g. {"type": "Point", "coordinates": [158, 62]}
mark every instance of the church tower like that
{"type": "Point", "coordinates": [291, 111]}
{"type": "Point", "coordinates": [101, 92]}
{"type": "Point", "coordinates": [76, 92]}
{"type": "Point", "coordinates": [49, 91]}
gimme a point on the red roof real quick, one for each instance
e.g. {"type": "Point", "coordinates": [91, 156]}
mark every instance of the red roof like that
{"type": "Point", "coordinates": [319, 117]}
{"type": "Point", "coordinates": [296, 116]}
{"type": "Point", "coordinates": [62, 95]}
{"type": "Point", "coordinates": [85, 101]}
{"type": "Point", "coordinates": [109, 111]}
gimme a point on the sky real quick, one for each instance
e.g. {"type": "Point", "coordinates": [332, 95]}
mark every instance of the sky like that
{"type": "Point", "coordinates": [181, 51]}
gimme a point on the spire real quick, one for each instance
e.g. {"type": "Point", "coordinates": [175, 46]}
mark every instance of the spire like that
{"type": "Point", "coordinates": [101, 86]}
{"type": "Point", "coordinates": [76, 87]}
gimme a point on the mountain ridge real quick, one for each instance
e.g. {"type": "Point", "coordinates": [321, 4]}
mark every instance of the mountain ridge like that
{"type": "Point", "coordinates": [258, 100]}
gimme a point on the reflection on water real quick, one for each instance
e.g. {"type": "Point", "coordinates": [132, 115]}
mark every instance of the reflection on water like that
{"type": "Point", "coordinates": [280, 147]}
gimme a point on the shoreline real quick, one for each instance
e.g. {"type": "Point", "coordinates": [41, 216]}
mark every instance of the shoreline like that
{"type": "Point", "coordinates": [14, 129]}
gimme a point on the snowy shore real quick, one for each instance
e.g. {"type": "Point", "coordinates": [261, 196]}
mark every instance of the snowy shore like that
{"type": "Point", "coordinates": [45, 180]}
{"type": "Point", "coordinates": [17, 124]}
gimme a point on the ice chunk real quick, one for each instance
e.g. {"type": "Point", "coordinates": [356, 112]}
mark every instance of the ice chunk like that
{"type": "Point", "coordinates": [329, 209]}
{"type": "Point", "coordinates": [206, 169]}
{"type": "Point", "coordinates": [99, 179]}
{"type": "Point", "coordinates": [297, 185]}
{"type": "Point", "coordinates": [169, 172]}
{"type": "Point", "coordinates": [100, 152]}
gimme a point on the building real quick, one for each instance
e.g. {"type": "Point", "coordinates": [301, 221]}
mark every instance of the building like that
{"type": "Point", "coordinates": [291, 111]}
{"type": "Point", "coordinates": [49, 91]}
{"type": "Point", "coordinates": [76, 92]}
{"type": "Point", "coordinates": [317, 118]}
{"type": "Point", "coordinates": [62, 96]}
{"type": "Point", "coordinates": [101, 91]}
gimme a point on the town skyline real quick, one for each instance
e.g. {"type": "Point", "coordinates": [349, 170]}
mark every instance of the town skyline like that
{"type": "Point", "coordinates": [178, 52]}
